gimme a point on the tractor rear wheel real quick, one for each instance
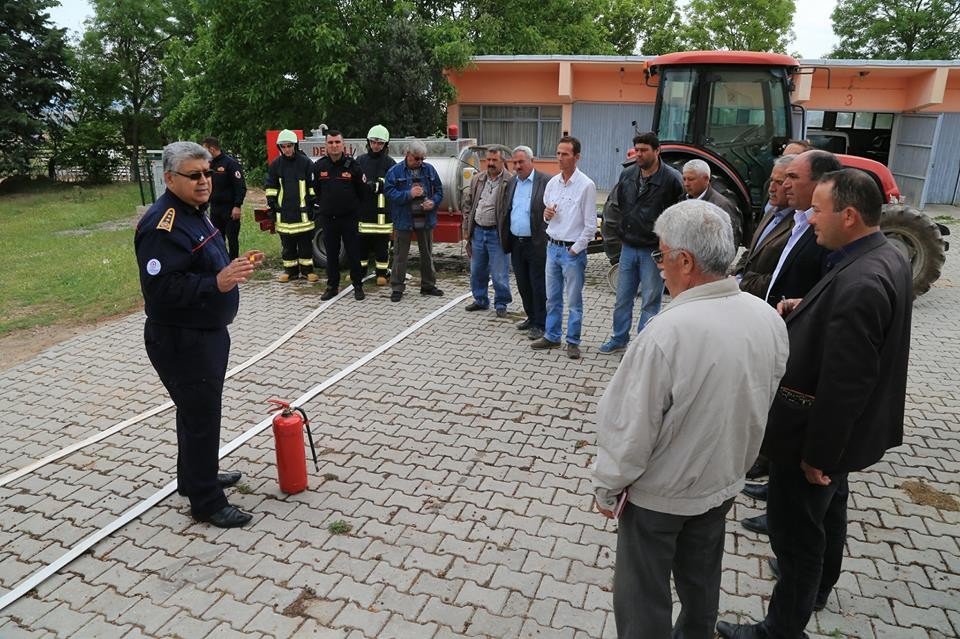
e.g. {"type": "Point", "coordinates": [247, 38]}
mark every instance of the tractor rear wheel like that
{"type": "Point", "coordinates": [919, 239]}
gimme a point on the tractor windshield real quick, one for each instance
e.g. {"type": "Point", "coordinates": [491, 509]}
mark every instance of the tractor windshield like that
{"type": "Point", "coordinates": [736, 112]}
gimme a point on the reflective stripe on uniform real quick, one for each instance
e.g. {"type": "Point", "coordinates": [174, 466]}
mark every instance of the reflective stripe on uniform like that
{"type": "Point", "coordinates": [308, 261]}
{"type": "Point", "coordinates": [289, 263]}
{"type": "Point", "coordinates": [379, 229]}
{"type": "Point", "coordinates": [270, 191]}
{"type": "Point", "coordinates": [302, 226]}
{"type": "Point", "coordinates": [303, 193]}
{"type": "Point", "coordinates": [382, 266]}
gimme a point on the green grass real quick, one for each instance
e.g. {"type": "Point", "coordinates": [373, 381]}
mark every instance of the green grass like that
{"type": "Point", "coordinates": [68, 254]}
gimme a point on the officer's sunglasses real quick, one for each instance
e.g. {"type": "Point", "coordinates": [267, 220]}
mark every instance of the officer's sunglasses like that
{"type": "Point", "coordinates": [196, 176]}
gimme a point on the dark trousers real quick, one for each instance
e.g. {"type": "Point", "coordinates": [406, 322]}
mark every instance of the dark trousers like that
{"type": "Point", "coordinates": [428, 278]}
{"type": "Point", "coordinates": [808, 528]}
{"type": "Point", "coordinates": [192, 364]}
{"type": "Point", "coordinates": [529, 266]}
{"type": "Point", "coordinates": [296, 251]}
{"type": "Point", "coordinates": [651, 545]}
{"type": "Point", "coordinates": [379, 245]}
{"type": "Point", "coordinates": [341, 230]}
{"type": "Point", "coordinates": [220, 215]}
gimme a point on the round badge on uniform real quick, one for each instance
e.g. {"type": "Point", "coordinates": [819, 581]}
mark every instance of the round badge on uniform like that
{"type": "Point", "coordinates": [153, 266]}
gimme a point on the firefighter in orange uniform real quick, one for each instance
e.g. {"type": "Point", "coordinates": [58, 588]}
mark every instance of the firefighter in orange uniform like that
{"type": "Point", "coordinates": [290, 196]}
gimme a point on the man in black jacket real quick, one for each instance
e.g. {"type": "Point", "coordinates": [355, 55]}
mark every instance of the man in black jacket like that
{"type": "Point", "coordinates": [289, 191]}
{"type": "Point", "coordinates": [644, 191]}
{"type": "Point", "coordinates": [229, 189]}
{"type": "Point", "coordinates": [841, 402]}
{"type": "Point", "coordinates": [190, 294]}
{"type": "Point", "coordinates": [802, 262]}
{"type": "Point", "coordinates": [375, 224]}
{"type": "Point", "coordinates": [340, 185]}
{"type": "Point", "coordinates": [527, 240]}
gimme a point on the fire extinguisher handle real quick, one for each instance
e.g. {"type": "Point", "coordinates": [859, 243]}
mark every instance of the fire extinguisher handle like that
{"type": "Point", "coordinates": [306, 422]}
{"type": "Point", "coordinates": [279, 403]}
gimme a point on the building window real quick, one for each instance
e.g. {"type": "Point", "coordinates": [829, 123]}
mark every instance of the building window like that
{"type": "Point", "coordinates": [535, 126]}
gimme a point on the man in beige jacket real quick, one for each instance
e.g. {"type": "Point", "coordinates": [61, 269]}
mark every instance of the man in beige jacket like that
{"type": "Point", "coordinates": [486, 222]}
{"type": "Point", "coordinates": [679, 425]}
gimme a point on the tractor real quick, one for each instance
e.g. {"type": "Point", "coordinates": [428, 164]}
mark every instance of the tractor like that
{"type": "Point", "coordinates": [732, 109]}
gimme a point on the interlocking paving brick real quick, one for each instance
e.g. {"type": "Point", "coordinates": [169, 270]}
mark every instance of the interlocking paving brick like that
{"type": "Point", "coordinates": [456, 462]}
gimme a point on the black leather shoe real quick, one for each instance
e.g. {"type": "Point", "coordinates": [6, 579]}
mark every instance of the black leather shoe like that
{"type": "Point", "coordinates": [228, 478]}
{"type": "Point", "coordinates": [329, 294]}
{"type": "Point", "coordinates": [757, 491]}
{"type": "Point", "coordinates": [524, 325]}
{"type": "Point", "coordinates": [501, 312]}
{"type": "Point", "coordinates": [474, 306]}
{"type": "Point", "coordinates": [740, 631]}
{"type": "Point", "coordinates": [435, 292]}
{"type": "Point", "coordinates": [358, 293]}
{"type": "Point", "coordinates": [760, 468]}
{"type": "Point", "coordinates": [395, 296]}
{"type": "Point", "coordinates": [756, 524]}
{"type": "Point", "coordinates": [227, 517]}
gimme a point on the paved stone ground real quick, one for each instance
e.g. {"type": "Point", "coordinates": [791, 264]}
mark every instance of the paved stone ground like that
{"type": "Point", "coordinates": [460, 459]}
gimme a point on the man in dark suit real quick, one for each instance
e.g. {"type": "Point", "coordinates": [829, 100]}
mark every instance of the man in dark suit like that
{"type": "Point", "coordinates": [527, 240]}
{"type": "Point", "coordinates": [696, 182]}
{"type": "Point", "coordinates": [756, 267]}
{"type": "Point", "coordinates": [840, 404]}
{"type": "Point", "coordinates": [802, 261]}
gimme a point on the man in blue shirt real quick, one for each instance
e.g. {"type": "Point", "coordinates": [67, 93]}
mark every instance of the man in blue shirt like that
{"type": "Point", "coordinates": [527, 240]}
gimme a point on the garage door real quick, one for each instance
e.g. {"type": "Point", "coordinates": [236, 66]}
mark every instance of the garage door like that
{"type": "Point", "coordinates": [606, 134]}
{"type": "Point", "coordinates": [911, 155]}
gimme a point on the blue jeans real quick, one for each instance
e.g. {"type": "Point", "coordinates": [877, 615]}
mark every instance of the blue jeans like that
{"type": "Point", "coordinates": [565, 276]}
{"type": "Point", "coordinates": [489, 262]}
{"type": "Point", "coordinates": [637, 269]}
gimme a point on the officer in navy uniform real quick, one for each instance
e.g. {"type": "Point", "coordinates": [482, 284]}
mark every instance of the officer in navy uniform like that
{"type": "Point", "coordinates": [190, 294]}
{"type": "Point", "coordinates": [229, 189]}
{"type": "Point", "coordinates": [340, 185]}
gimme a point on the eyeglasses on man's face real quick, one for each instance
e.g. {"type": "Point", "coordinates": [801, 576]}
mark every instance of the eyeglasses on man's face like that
{"type": "Point", "coordinates": [196, 176]}
{"type": "Point", "coordinates": [658, 255]}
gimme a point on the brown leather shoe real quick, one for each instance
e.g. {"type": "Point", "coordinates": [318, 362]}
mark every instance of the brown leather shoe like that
{"type": "Point", "coordinates": [543, 344]}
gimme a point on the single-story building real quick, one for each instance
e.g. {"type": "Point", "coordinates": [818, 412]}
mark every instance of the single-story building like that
{"type": "Point", "coordinates": [905, 114]}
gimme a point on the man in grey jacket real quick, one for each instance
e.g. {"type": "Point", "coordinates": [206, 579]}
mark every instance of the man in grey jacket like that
{"type": "Point", "coordinates": [680, 424]}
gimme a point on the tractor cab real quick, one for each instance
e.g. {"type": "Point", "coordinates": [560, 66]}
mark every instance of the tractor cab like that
{"type": "Point", "coordinates": [729, 108]}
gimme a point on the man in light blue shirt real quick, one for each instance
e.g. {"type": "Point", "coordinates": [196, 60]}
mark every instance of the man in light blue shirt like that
{"type": "Point", "coordinates": [527, 240]}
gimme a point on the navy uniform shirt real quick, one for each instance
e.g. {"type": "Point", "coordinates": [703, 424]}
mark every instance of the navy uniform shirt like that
{"type": "Point", "coordinates": [340, 186]}
{"type": "Point", "coordinates": [229, 188]}
{"type": "Point", "coordinates": [179, 253]}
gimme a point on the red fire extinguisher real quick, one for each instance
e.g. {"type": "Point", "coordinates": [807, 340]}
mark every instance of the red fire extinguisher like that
{"type": "Point", "coordinates": [288, 426]}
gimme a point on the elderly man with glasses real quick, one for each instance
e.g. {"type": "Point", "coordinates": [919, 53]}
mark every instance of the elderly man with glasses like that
{"type": "Point", "coordinates": [414, 190]}
{"type": "Point", "coordinates": [190, 295]}
{"type": "Point", "coordinates": [679, 425]}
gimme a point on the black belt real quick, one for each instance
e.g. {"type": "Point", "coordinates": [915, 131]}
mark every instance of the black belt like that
{"type": "Point", "coordinates": [561, 243]}
{"type": "Point", "coordinates": [485, 228]}
{"type": "Point", "coordinates": [522, 238]}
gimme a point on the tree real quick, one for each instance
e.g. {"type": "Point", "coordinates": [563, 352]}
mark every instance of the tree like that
{"type": "Point", "coordinates": [122, 55]}
{"type": "Point", "coordinates": [897, 30]}
{"type": "Point", "coordinates": [739, 25]}
{"type": "Point", "coordinates": [655, 24]}
{"type": "Point", "coordinates": [33, 71]}
{"type": "Point", "coordinates": [535, 27]}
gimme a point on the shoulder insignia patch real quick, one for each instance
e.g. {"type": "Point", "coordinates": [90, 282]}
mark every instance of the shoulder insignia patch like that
{"type": "Point", "coordinates": [166, 222]}
{"type": "Point", "coordinates": [236, 174]}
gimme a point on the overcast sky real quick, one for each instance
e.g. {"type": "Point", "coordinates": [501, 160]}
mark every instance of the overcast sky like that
{"type": "Point", "coordinates": [811, 24]}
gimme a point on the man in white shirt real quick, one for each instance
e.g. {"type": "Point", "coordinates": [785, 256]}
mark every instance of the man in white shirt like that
{"type": "Point", "coordinates": [570, 211]}
{"type": "Point", "coordinates": [679, 425]}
